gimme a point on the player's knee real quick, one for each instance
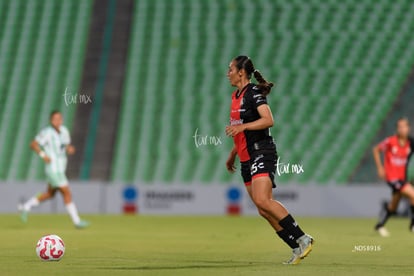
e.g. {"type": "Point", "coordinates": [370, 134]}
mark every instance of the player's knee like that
{"type": "Point", "coordinates": [261, 203]}
{"type": "Point", "coordinates": [262, 212]}
{"type": "Point", "coordinates": [65, 190]}
{"type": "Point", "coordinates": [68, 196]}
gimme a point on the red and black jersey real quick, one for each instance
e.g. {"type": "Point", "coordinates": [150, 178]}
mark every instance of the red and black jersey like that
{"type": "Point", "coordinates": [244, 106]}
{"type": "Point", "coordinates": [395, 157]}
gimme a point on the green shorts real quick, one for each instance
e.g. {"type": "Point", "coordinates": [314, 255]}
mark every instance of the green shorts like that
{"type": "Point", "coordinates": [57, 179]}
{"type": "Point", "coordinates": [410, 170]}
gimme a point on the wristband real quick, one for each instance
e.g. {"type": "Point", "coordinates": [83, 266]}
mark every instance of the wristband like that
{"type": "Point", "coordinates": [42, 154]}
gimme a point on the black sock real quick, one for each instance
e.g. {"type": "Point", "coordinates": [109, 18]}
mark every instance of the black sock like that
{"type": "Point", "coordinates": [288, 239]}
{"type": "Point", "coordinates": [383, 216]}
{"type": "Point", "coordinates": [291, 226]}
{"type": "Point", "coordinates": [412, 216]}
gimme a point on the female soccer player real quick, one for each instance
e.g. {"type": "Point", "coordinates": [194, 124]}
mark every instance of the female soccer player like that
{"type": "Point", "coordinates": [250, 120]}
{"type": "Point", "coordinates": [52, 144]}
{"type": "Point", "coordinates": [396, 150]}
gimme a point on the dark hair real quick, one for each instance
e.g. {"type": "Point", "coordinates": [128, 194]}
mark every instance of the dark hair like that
{"type": "Point", "coordinates": [403, 119]}
{"type": "Point", "coordinates": [244, 62]}
{"type": "Point", "coordinates": [55, 111]}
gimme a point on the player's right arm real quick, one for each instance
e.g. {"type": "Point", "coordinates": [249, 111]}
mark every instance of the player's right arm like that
{"type": "Point", "coordinates": [34, 145]}
{"type": "Point", "coordinates": [230, 160]}
{"type": "Point", "coordinates": [376, 151]}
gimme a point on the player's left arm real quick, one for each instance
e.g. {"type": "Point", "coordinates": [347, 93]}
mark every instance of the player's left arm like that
{"type": "Point", "coordinates": [259, 102]}
{"type": "Point", "coordinates": [70, 149]}
{"type": "Point", "coordinates": [265, 121]}
{"type": "Point", "coordinates": [411, 139]}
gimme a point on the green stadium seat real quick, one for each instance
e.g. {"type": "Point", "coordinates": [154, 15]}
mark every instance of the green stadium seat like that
{"type": "Point", "coordinates": [42, 42]}
{"type": "Point", "coordinates": [329, 59]}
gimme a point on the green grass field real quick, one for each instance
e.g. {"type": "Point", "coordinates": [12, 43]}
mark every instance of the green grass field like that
{"type": "Point", "coordinates": [155, 245]}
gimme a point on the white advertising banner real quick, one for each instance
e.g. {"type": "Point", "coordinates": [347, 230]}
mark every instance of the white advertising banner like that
{"type": "Point", "coordinates": [200, 199]}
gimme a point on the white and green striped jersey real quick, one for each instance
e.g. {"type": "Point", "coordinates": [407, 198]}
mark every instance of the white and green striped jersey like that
{"type": "Point", "coordinates": [54, 145]}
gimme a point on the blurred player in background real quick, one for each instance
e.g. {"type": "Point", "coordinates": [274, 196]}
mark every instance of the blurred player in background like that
{"type": "Point", "coordinates": [52, 144]}
{"type": "Point", "coordinates": [250, 120]}
{"type": "Point", "coordinates": [396, 150]}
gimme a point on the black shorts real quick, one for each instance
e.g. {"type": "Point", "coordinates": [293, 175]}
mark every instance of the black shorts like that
{"type": "Point", "coordinates": [261, 163]}
{"type": "Point", "coordinates": [245, 173]}
{"type": "Point", "coordinates": [396, 186]}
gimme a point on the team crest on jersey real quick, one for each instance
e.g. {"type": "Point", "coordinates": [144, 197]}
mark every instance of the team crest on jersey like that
{"type": "Point", "coordinates": [241, 102]}
{"type": "Point", "coordinates": [394, 150]}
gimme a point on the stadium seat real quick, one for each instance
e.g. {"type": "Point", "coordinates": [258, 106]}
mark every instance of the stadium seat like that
{"type": "Point", "coordinates": [331, 60]}
{"type": "Point", "coordinates": [338, 67]}
{"type": "Point", "coordinates": [42, 45]}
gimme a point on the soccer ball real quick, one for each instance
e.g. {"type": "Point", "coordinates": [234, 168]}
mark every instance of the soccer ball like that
{"type": "Point", "coordinates": [50, 248]}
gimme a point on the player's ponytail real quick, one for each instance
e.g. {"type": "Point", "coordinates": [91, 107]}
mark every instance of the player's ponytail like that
{"type": "Point", "coordinates": [244, 62]}
{"type": "Point", "coordinates": [264, 85]}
